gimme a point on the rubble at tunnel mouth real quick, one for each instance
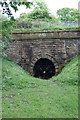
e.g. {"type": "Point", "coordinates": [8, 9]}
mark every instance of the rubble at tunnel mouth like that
{"type": "Point", "coordinates": [44, 69]}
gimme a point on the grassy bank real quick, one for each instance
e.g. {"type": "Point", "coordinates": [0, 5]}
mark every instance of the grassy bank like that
{"type": "Point", "coordinates": [28, 97]}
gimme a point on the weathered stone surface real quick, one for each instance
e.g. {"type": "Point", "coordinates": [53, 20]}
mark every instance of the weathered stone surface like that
{"type": "Point", "coordinates": [58, 46]}
{"type": "Point", "coordinates": [43, 35]}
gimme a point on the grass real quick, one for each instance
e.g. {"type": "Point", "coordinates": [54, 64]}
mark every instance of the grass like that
{"type": "Point", "coordinates": [28, 97]}
{"type": "Point", "coordinates": [33, 25]}
{"type": "Point", "coordinates": [46, 28]}
{"type": "Point", "coordinates": [69, 74]}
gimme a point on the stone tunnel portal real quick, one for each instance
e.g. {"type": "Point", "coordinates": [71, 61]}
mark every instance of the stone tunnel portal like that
{"type": "Point", "coordinates": [44, 68]}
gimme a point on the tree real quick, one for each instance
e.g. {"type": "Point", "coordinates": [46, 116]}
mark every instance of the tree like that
{"type": "Point", "coordinates": [7, 5]}
{"type": "Point", "coordinates": [40, 11]}
{"type": "Point", "coordinates": [7, 25]}
{"type": "Point", "coordinates": [23, 15]}
{"type": "Point", "coordinates": [68, 14]}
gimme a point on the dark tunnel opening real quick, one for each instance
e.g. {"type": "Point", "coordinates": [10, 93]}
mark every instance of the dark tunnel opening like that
{"type": "Point", "coordinates": [44, 68]}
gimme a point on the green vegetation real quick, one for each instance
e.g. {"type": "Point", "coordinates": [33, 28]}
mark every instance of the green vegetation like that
{"type": "Point", "coordinates": [7, 5]}
{"type": "Point", "coordinates": [23, 95]}
{"type": "Point", "coordinates": [68, 14]}
{"type": "Point", "coordinates": [39, 19]}
{"type": "Point", "coordinates": [7, 27]}
{"type": "Point", "coordinates": [28, 97]}
{"type": "Point", "coordinates": [45, 28]}
{"type": "Point", "coordinates": [40, 11]}
{"type": "Point", "coordinates": [69, 74]}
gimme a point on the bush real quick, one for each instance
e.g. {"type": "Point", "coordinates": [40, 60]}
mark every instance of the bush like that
{"type": "Point", "coordinates": [6, 29]}
{"type": "Point", "coordinates": [24, 24]}
{"type": "Point", "coordinates": [40, 11]}
{"type": "Point", "coordinates": [38, 14]}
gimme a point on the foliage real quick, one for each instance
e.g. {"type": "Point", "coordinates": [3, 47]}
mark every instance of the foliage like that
{"type": "Point", "coordinates": [29, 96]}
{"type": "Point", "coordinates": [6, 29]}
{"type": "Point", "coordinates": [68, 14]}
{"type": "Point", "coordinates": [69, 74]}
{"type": "Point", "coordinates": [40, 11]}
{"type": "Point", "coordinates": [6, 6]}
{"type": "Point", "coordinates": [45, 28]}
{"type": "Point", "coordinates": [36, 98]}
{"type": "Point", "coordinates": [23, 22]}
{"type": "Point", "coordinates": [14, 76]}
{"type": "Point", "coordinates": [43, 21]}
{"type": "Point", "coordinates": [7, 25]}
{"type": "Point", "coordinates": [23, 16]}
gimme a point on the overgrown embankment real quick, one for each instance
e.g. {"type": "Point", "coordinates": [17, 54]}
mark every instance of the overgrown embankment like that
{"type": "Point", "coordinates": [27, 97]}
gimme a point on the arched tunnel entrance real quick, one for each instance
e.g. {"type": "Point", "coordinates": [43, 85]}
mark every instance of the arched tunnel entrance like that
{"type": "Point", "coordinates": [44, 68]}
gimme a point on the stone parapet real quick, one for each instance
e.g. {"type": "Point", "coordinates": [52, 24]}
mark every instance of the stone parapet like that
{"type": "Point", "coordinates": [46, 35]}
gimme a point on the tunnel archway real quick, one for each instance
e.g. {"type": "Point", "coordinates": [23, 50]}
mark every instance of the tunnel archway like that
{"type": "Point", "coordinates": [44, 68]}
